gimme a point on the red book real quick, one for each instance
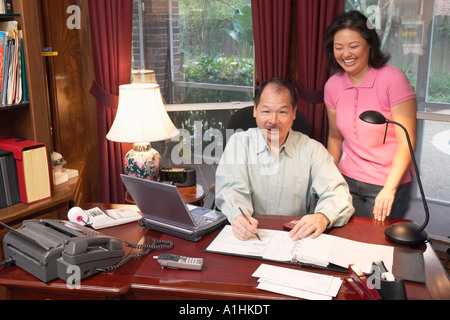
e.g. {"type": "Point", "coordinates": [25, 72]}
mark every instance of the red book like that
{"type": "Point", "coordinates": [32, 168]}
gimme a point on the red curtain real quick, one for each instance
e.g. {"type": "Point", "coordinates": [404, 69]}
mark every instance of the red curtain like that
{"type": "Point", "coordinates": [271, 32]}
{"type": "Point", "coordinates": [288, 36]}
{"type": "Point", "coordinates": [313, 17]}
{"type": "Point", "coordinates": [111, 28]}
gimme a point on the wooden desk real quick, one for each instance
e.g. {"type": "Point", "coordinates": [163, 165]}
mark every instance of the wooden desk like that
{"type": "Point", "coordinates": [228, 277]}
{"type": "Point", "coordinates": [223, 276]}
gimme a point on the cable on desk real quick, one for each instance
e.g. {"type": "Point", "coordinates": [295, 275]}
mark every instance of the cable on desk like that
{"type": "Point", "coordinates": [156, 245]}
{"type": "Point", "coordinates": [8, 262]}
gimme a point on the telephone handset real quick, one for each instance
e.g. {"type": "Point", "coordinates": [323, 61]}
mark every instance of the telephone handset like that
{"type": "Point", "coordinates": [52, 249]}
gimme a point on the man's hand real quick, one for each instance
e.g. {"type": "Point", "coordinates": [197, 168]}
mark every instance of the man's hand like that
{"type": "Point", "coordinates": [311, 224]}
{"type": "Point", "coordinates": [242, 229]}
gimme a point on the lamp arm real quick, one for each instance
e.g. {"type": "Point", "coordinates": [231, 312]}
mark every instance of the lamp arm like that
{"type": "Point", "coordinates": [419, 182]}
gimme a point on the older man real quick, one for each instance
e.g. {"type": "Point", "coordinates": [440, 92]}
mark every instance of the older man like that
{"type": "Point", "coordinates": [275, 170]}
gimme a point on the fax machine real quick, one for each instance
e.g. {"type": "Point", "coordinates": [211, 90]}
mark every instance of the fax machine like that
{"type": "Point", "coordinates": [47, 248]}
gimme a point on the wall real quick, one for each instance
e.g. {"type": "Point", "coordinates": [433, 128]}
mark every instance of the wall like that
{"type": "Point", "coordinates": [156, 33]}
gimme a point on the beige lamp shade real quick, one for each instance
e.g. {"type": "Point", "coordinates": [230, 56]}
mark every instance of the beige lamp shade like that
{"type": "Point", "coordinates": [143, 76]}
{"type": "Point", "coordinates": [141, 115]}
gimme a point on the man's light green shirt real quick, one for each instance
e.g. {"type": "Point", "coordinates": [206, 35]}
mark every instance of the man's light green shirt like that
{"type": "Point", "coordinates": [301, 179]}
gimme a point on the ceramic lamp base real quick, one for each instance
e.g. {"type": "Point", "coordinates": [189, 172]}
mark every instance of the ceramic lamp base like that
{"type": "Point", "coordinates": [142, 161]}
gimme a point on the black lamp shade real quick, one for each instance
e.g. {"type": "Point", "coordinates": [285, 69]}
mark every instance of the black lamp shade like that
{"type": "Point", "coordinates": [373, 117]}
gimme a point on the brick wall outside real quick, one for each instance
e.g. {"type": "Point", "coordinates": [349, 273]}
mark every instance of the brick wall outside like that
{"type": "Point", "coordinates": [156, 30]}
{"type": "Point", "coordinates": [442, 7]}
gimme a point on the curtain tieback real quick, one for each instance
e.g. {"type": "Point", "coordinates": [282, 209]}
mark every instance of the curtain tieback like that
{"type": "Point", "coordinates": [311, 96]}
{"type": "Point", "coordinates": [105, 98]}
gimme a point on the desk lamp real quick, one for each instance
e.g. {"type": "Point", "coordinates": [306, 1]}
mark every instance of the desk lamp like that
{"type": "Point", "coordinates": [407, 233]}
{"type": "Point", "coordinates": [141, 118]}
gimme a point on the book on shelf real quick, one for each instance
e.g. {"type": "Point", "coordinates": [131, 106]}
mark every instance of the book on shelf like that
{"type": "Point", "coordinates": [6, 7]}
{"type": "Point", "coordinates": [32, 168]}
{"type": "Point", "coordinates": [13, 84]}
{"type": "Point", "coordinates": [3, 45]}
{"type": "Point", "coordinates": [9, 184]}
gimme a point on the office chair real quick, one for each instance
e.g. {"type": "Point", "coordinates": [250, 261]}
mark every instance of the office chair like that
{"type": "Point", "coordinates": [243, 119]}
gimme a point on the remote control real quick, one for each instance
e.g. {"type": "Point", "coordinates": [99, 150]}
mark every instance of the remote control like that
{"type": "Point", "coordinates": [173, 261]}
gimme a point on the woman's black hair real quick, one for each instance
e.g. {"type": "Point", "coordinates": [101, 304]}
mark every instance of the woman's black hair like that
{"type": "Point", "coordinates": [358, 22]}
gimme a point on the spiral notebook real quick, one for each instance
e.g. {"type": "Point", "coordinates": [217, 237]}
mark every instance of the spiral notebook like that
{"type": "Point", "coordinates": [325, 251]}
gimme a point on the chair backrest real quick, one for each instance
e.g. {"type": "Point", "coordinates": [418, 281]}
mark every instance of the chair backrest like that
{"type": "Point", "coordinates": [243, 119]}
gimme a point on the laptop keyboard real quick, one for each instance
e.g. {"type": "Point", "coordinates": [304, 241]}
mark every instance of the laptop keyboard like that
{"type": "Point", "coordinates": [200, 220]}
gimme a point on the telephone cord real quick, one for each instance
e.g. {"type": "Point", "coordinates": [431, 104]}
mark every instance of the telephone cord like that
{"type": "Point", "coordinates": [156, 245]}
{"type": "Point", "coordinates": [8, 262]}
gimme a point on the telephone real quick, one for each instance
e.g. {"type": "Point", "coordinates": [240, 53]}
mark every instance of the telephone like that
{"type": "Point", "coordinates": [47, 248]}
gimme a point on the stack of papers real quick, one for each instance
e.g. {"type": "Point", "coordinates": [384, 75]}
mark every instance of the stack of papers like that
{"type": "Point", "coordinates": [297, 283]}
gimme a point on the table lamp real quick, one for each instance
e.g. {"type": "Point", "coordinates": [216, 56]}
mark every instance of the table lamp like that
{"type": "Point", "coordinates": [406, 233]}
{"type": "Point", "coordinates": [141, 118]}
{"type": "Point", "coordinates": [143, 76]}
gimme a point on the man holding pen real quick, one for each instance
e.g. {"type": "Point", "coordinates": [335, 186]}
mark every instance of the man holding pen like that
{"type": "Point", "coordinates": [275, 170]}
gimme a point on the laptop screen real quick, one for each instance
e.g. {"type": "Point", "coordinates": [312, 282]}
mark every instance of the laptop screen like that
{"type": "Point", "coordinates": [159, 201]}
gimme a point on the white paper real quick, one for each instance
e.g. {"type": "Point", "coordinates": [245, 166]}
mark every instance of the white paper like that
{"type": "Point", "coordinates": [226, 242]}
{"type": "Point", "coordinates": [112, 217]}
{"type": "Point", "coordinates": [345, 252]}
{"type": "Point", "coordinates": [292, 292]}
{"type": "Point", "coordinates": [297, 283]}
{"type": "Point", "coordinates": [315, 251]}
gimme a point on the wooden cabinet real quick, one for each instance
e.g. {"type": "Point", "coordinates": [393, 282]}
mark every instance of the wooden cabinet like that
{"type": "Point", "coordinates": [70, 75]}
{"type": "Point", "coordinates": [61, 113]}
{"type": "Point", "coordinates": [31, 121]}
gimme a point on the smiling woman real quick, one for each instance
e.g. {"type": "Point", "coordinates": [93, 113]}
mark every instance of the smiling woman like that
{"type": "Point", "coordinates": [378, 173]}
{"type": "Point", "coordinates": [416, 35]}
{"type": "Point", "coordinates": [351, 52]}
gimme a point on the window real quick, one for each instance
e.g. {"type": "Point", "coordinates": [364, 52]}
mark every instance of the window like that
{"type": "Point", "coordinates": [201, 55]}
{"type": "Point", "coordinates": [200, 50]}
{"type": "Point", "coordinates": [416, 33]}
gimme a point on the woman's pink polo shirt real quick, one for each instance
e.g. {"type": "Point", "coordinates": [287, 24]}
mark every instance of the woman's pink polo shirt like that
{"type": "Point", "coordinates": [364, 156]}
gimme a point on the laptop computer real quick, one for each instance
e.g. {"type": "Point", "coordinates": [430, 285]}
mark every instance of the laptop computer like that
{"type": "Point", "coordinates": [164, 210]}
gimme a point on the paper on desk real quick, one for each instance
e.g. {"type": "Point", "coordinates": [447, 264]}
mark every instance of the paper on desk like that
{"type": "Point", "coordinates": [112, 217]}
{"type": "Point", "coordinates": [297, 283]}
{"type": "Point", "coordinates": [230, 244]}
{"type": "Point", "coordinates": [345, 252]}
{"type": "Point", "coordinates": [274, 245]}
{"type": "Point", "coordinates": [293, 292]}
{"type": "Point", "coordinates": [277, 246]}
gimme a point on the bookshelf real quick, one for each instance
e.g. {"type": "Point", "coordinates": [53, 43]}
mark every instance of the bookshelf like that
{"type": "Point", "coordinates": [29, 120]}
{"type": "Point", "coordinates": [32, 119]}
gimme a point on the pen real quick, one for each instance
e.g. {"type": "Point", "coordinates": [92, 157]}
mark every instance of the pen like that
{"type": "Point", "coordinates": [249, 223]}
